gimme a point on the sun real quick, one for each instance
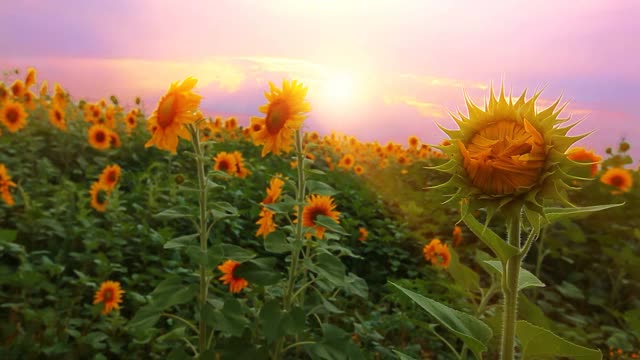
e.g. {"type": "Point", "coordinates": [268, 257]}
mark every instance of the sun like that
{"type": "Point", "coordinates": [340, 88]}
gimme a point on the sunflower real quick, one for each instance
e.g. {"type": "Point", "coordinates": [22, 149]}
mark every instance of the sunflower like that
{"type": "Point", "coordinates": [358, 169]}
{"type": "Point", "coordinates": [266, 222]}
{"type": "Point", "coordinates": [241, 171]}
{"type": "Point", "coordinates": [437, 253]}
{"type": "Point", "coordinates": [509, 155]}
{"type": "Point", "coordinates": [225, 162]}
{"type": "Point", "coordinates": [231, 123]}
{"type": "Point", "coordinates": [114, 139]}
{"type": "Point", "coordinates": [236, 284]}
{"type": "Point", "coordinates": [30, 80]}
{"type": "Point", "coordinates": [364, 234]}
{"type": "Point", "coordinates": [5, 186]}
{"type": "Point", "coordinates": [13, 116]}
{"type": "Point", "coordinates": [99, 193]}
{"type": "Point", "coordinates": [44, 89]}
{"type": "Point", "coordinates": [4, 93]}
{"type": "Point", "coordinates": [18, 88]}
{"type": "Point", "coordinates": [346, 162]}
{"type": "Point", "coordinates": [29, 99]}
{"type": "Point", "coordinates": [59, 96]}
{"type": "Point", "coordinates": [99, 137]}
{"type": "Point", "coordinates": [92, 113]}
{"type": "Point", "coordinates": [457, 235]}
{"type": "Point", "coordinates": [274, 190]}
{"type": "Point", "coordinates": [131, 120]}
{"type": "Point", "coordinates": [582, 155]}
{"type": "Point", "coordinates": [413, 142]}
{"type": "Point", "coordinates": [284, 114]}
{"type": "Point", "coordinates": [110, 176]}
{"type": "Point", "coordinates": [618, 178]}
{"type": "Point", "coordinates": [319, 205]}
{"type": "Point", "coordinates": [56, 117]}
{"type": "Point", "coordinates": [110, 294]}
{"type": "Point", "coordinates": [175, 109]}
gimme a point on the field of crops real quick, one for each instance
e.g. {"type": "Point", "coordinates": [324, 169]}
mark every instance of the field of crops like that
{"type": "Point", "coordinates": [175, 234]}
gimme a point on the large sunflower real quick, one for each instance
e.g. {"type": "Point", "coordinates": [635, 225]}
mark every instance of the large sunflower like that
{"type": "Point", "coordinates": [284, 114]}
{"type": "Point", "coordinates": [319, 205]}
{"type": "Point", "coordinates": [236, 284]}
{"type": "Point", "coordinates": [13, 116]}
{"type": "Point", "coordinates": [100, 137]}
{"type": "Point", "coordinates": [110, 294]}
{"type": "Point", "coordinates": [509, 155]}
{"type": "Point", "coordinates": [176, 108]}
{"type": "Point", "coordinates": [226, 162]}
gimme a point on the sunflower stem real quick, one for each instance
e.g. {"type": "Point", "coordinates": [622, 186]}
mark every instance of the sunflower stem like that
{"type": "Point", "coordinates": [510, 291]}
{"type": "Point", "coordinates": [295, 253]}
{"type": "Point", "coordinates": [202, 192]}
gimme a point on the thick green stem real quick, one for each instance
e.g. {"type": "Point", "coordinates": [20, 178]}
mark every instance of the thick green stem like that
{"type": "Point", "coordinates": [510, 292]}
{"type": "Point", "coordinates": [202, 191]}
{"type": "Point", "coordinates": [295, 253]}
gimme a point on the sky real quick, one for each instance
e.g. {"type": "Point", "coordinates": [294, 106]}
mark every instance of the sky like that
{"type": "Point", "coordinates": [379, 70]}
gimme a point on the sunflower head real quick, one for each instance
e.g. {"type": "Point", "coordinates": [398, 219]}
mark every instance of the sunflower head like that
{"type": "Point", "coordinates": [236, 284]}
{"type": "Point", "coordinates": [99, 137]}
{"type": "Point", "coordinates": [30, 79]}
{"type": "Point", "coordinates": [110, 294]}
{"type": "Point", "coordinates": [99, 193]}
{"type": "Point", "coordinates": [13, 116]}
{"type": "Point", "coordinates": [508, 155]}
{"type": "Point", "coordinates": [225, 162]}
{"type": "Point", "coordinates": [284, 114]}
{"type": "Point", "coordinates": [319, 205]}
{"type": "Point", "coordinates": [175, 109]}
{"type": "Point", "coordinates": [619, 178]}
{"type": "Point", "coordinates": [56, 117]}
{"type": "Point", "coordinates": [110, 176]}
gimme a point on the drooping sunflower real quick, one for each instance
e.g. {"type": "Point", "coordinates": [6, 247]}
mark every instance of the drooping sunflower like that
{"type": "Point", "coordinates": [30, 79]}
{"type": "Point", "coordinates": [236, 284]}
{"type": "Point", "coordinates": [583, 155]}
{"type": "Point", "coordinates": [44, 90]}
{"type": "Point", "coordinates": [274, 190]}
{"type": "Point", "coordinates": [29, 99]}
{"type": "Point", "coordinates": [110, 294]}
{"type": "Point", "coordinates": [99, 137]}
{"type": "Point", "coordinates": [4, 93]}
{"type": "Point", "coordinates": [110, 176]}
{"type": "Point", "coordinates": [226, 162]}
{"type": "Point", "coordinates": [99, 193]}
{"type": "Point", "coordinates": [364, 234]}
{"type": "Point", "coordinates": [319, 205]}
{"type": "Point", "coordinates": [619, 178]}
{"type": "Point", "coordinates": [13, 116]}
{"type": "Point", "coordinates": [266, 222]}
{"type": "Point", "coordinates": [457, 235]}
{"type": "Point", "coordinates": [18, 88]}
{"type": "Point", "coordinates": [508, 155]}
{"type": "Point", "coordinates": [5, 186]}
{"type": "Point", "coordinates": [59, 96]}
{"type": "Point", "coordinates": [175, 109]}
{"type": "Point", "coordinates": [284, 114]}
{"type": "Point", "coordinates": [56, 117]}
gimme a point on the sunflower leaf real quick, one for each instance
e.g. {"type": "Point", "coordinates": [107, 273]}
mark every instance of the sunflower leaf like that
{"type": "Point", "coordinates": [500, 247]}
{"type": "Point", "coordinates": [320, 188]}
{"type": "Point", "coordinates": [473, 332]}
{"type": "Point", "coordinates": [330, 224]}
{"type": "Point", "coordinates": [554, 214]}
{"type": "Point", "coordinates": [525, 280]}
{"type": "Point", "coordinates": [540, 343]}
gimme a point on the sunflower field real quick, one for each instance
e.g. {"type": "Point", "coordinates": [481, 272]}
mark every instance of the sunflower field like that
{"type": "Point", "coordinates": [175, 234]}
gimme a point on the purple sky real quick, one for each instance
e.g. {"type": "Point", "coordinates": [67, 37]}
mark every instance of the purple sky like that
{"type": "Point", "coordinates": [380, 70]}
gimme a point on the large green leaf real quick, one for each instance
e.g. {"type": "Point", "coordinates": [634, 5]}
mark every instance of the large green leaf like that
{"type": "Point", "coordinates": [180, 241]}
{"type": "Point", "coordinates": [330, 224]}
{"type": "Point", "coordinates": [172, 291]}
{"type": "Point", "coordinates": [402, 356]}
{"type": "Point", "coordinates": [500, 247]}
{"type": "Point", "coordinates": [320, 188]}
{"type": "Point", "coordinates": [472, 331]}
{"type": "Point", "coordinates": [525, 280]}
{"type": "Point", "coordinates": [258, 271]}
{"type": "Point", "coordinates": [539, 344]}
{"type": "Point", "coordinates": [276, 242]}
{"type": "Point", "coordinates": [554, 214]}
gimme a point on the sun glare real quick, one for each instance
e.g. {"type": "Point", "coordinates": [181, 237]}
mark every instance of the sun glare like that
{"type": "Point", "coordinates": [340, 88]}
